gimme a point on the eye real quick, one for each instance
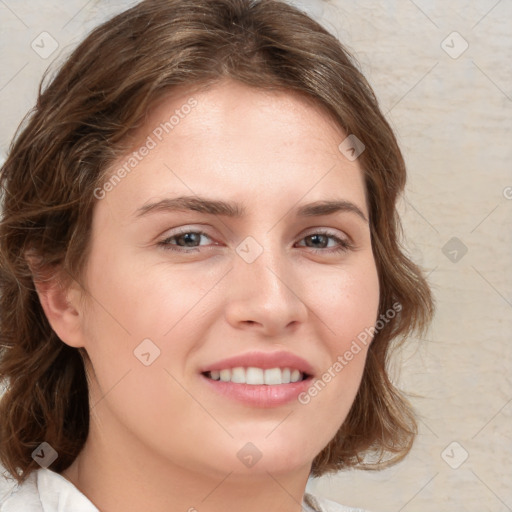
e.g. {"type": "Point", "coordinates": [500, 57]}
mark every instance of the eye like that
{"type": "Point", "coordinates": [188, 240]}
{"type": "Point", "coordinates": [322, 237]}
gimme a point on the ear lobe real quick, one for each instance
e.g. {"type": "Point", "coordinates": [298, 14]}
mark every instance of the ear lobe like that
{"type": "Point", "coordinates": [60, 303]}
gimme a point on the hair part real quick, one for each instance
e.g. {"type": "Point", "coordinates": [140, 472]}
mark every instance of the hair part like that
{"type": "Point", "coordinates": [83, 121]}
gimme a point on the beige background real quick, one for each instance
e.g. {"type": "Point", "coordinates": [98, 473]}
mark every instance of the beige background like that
{"type": "Point", "coordinates": [453, 116]}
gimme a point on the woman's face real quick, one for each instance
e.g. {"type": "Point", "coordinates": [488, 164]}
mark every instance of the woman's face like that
{"type": "Point", "coordinates": [176, 293]}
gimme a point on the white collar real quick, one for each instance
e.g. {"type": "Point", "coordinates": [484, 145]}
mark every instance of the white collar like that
{"type": "Point", "coordinates": [45, 491]}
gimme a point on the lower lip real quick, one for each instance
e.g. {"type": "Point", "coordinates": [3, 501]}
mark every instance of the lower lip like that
{"type": "Point", "coordinates": [260, 395]}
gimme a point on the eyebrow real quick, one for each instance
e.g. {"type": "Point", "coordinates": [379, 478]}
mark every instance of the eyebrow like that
{"type": "Point", "coordinates": [236, 210]}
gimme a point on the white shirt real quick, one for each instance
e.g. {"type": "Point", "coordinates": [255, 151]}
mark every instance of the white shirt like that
{"type": "Point", "coordinates": [47, 491]}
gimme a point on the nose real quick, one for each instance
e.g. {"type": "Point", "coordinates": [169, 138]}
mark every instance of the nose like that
{"type": "Point", "coordinates": [266, 295]}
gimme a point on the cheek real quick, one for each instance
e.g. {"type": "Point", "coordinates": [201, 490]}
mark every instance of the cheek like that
{"type": "Point", "coordinates": [132, 301]}
{"type": "Point", "coordinates": [140, 314]}
{"type": "Point", "coordinates": [347, 304]}
{"type": "Point", "coordinates": [346, 300]}
{"type": "Point", "coordinates": [139, 333]}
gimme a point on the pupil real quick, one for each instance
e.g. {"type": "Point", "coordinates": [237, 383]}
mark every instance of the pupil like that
{"type": "Point", "coordinates": [188, 236]}
{"type": "Point", "coordinates": [316, 237]}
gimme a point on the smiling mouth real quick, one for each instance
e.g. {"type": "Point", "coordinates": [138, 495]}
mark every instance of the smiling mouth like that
{"type": "Point", "coordinates": [257, 376]}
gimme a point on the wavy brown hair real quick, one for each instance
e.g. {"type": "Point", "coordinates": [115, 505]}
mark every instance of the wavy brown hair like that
{"type": "Point", "coordinates": [82, 122]}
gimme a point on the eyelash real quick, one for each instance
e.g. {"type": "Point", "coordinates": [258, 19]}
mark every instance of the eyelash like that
{"type": "Point", "coordinates": [343, 245]}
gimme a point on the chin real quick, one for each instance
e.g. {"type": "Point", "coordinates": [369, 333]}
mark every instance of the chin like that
{"type": "Point", "coordinates": [253, 455]}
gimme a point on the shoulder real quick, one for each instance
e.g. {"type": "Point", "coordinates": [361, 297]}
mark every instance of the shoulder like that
{"type": "Point", "coordinates": [19, 498]}
{"type": "Point", "coordinates": [320, 504]}
{"type": "Point", "coordinates": [43, 490]}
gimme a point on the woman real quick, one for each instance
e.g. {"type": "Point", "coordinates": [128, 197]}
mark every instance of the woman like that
{"type": "Point", "coordinates": [201, 273]}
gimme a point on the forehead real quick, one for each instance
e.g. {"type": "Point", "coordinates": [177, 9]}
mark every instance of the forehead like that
{"type": "Point", "coordinates": [231, 140]}
{"type": "Point", "coordinates": [229, 108]}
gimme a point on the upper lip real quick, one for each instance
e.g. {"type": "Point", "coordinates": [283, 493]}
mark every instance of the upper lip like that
{"type": "Point", "coordinates": [264, 360]}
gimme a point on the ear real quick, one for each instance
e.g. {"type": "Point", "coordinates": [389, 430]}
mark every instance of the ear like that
{"type": "Point", "coordinates": [60, 303]}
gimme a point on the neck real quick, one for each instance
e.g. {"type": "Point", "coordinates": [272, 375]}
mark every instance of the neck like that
{"type": "Point", "coordinates": [117, 479]}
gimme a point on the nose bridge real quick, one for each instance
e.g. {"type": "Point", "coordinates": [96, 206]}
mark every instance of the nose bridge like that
{"type": "Point", "coordinates": [265, 291]}
{"type": "Point", "coordinates": [265, 259]}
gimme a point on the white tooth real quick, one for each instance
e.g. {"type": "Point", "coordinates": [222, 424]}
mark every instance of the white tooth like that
{"type": "Point", "coordinates": [225, 375]}
{"type": "Point", "coordinates": [254, 375]}
{"type": "Point", "coordinates": [295, 376]}
{"type": "Point", "coordinates": [273, 376]}
{"type": "Point", "coordinates": [238, 375]}
{"type": "Point", "coordinates": [257, 376]}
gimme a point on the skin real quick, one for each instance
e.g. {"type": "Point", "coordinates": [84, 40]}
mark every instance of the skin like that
{"type": "Point", "coordinates": [159, 438]}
